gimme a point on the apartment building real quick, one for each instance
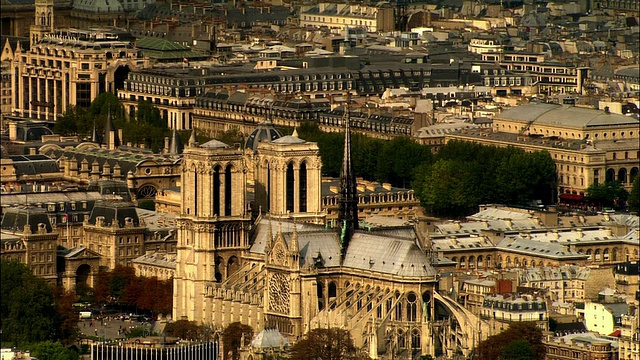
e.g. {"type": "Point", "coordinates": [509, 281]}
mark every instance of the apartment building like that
{"type": "Point", "coordinates": [551, 77]}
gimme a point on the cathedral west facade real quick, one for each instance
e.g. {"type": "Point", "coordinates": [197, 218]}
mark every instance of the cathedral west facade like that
{"type": "Point", "coordinates": [285, 268]}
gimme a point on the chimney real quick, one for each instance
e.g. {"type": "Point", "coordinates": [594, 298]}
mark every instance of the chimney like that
{"type": "Point", "coordinates": [13, 131]}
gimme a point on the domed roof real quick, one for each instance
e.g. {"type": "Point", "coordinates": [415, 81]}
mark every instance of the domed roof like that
{"type": "Point", "coordinates": [264, 132]}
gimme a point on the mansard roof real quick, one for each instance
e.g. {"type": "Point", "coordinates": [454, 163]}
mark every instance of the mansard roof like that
{"type": "Point", "coordinates": [15, 219]}
{"type": "Point", "coordinates": [114, 213]}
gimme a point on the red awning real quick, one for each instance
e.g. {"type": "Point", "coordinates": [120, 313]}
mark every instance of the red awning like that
{"type": "Point", "coordinates": [616, 333]}
{"type": "Point", "coordinates": [571, 197]}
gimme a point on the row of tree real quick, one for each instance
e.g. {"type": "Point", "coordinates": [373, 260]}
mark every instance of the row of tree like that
{"type": "Point", "coordinates": [452, 182]}
{"type": "Point", "coordinates": [373, 159]}
{"type": "Point", "coordinates": [464, 175]}
{"type": "Point", "coordinates": [121, 285]}
{"type": "Point", "coordinates": [146, 126]}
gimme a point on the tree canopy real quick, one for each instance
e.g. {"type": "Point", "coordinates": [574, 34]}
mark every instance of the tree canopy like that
{"type": "Point", "coordinates": [324, 344]}
{"type": "Point", "coordinates": [453, 182]}
{"type": "Point", "coordinates": [186, 330]}
{"type": "Point", "coordinates": [465, 175]}
{"type": "Point", "coordinates": [52, 351]}
{"type": "Point", "coordinates": [28, 306]}
{"type": "Point", "coordinates": [123, 286]}
{"type": "Point", "coordinates": [521, 341]}
{"type": "Point", "coordinates": [234, 336]}
{"type": "Point", "coordinates": [610, 194]}
{"type": "Point", "coordinates": [145, 126]}
{"type": "Point", "coordinates": [518, 350]}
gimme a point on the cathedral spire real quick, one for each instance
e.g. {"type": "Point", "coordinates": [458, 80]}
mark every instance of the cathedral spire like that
{"type": "Point", "coordinates": [111, 133]}
{"type": "Point", "coordinates": [94, 134]}
{"type": "Point", "coordinates": [348, 198]}
{"type": "Point", "coordinates": [192, 139]}
{"type": "Point", "coordinates": [175, 147]}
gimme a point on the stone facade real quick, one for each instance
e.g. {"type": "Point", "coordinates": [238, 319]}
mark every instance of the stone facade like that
{"type": "Point", "coordinates": [68, 68]}
{"type": "Point", "coordinates": [286, 269]}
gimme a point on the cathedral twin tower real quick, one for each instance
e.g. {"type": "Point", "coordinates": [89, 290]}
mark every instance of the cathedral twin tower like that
{"type": "Point", "coordinates": [215, 225]}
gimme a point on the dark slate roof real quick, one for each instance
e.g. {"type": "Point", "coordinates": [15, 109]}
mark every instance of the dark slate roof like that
{"type": "Point", "coordinates": [114, 211]}
{"type": "Point", "coordinates": [34, 164]}
{"type": "Point", "coordinates": [264, 132]}
{"type": "Point", "coordinates": [32, 133]}
{"type": "Point", "coordinates": [127, 160]}
{"type": "Point", "coordinates": [570, 328]}
{"type": "Point", "coordinates": [15, 219]}
{"type": "Point", "coordinates": [111, 187]}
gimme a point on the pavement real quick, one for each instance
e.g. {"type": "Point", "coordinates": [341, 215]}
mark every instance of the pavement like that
{"type": "Point", "coordinates": [108, 328]}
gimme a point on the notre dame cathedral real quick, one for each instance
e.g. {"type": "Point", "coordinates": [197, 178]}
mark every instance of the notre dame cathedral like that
{"type": "Point", "coordinates": [277, 264]}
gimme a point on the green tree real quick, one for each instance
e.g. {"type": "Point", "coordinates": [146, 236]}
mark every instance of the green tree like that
{"type": "Point", "coordinates": [148, 127]}
{"type": "Point", "coordinates": [107, 104]}
{"type": "Point", "coordinates": [28, 306]}
{"type": "Point", "coordinates": [68, 316]}
{"type": "Point", "coordinates": [121, 277]}
{"type": "Point", "coordinates": [609, 194]}
{"type": "Point", "coordinates": [186, 330]}
{"type": "Point", "coordinates": [74, 121]}
{"type": "Point", "coordinates": [521, 177]}
{"type": "Point", "coordinates": [518, 350]}
{"type": "Point", "coordinates": [365, 156]}
{"type": "Point", "coordinates": [52, 351]}
{"type": "Point", "coordinates": [634, 196]}
{"type": "Point", "coordinates": [399, 158]}
{"type": "Point", "coordinates": [320, 344]}
{"type": "Point", "coordinates": [232, 338]}
{"type": "Point", "coordinates": [492, 348]}
{"type": "Point", "coordinates": [446, 188]}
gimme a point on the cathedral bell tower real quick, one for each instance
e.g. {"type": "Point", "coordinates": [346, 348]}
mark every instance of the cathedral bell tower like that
{"type": "Point", "coordinates": [213, 224]}
{"type": "Point", "coordinates": [43, 22]}
{"type": "Point", "coordinates": [288, 179]}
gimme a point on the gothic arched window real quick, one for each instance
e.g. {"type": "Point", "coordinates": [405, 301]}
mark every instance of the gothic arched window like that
{"type": "Point", "coordinates": [290, 187]}
{"type": "Point", "coordinates": [302, 198]}
{"type": "Point", "coordinates": [227, 191]}
{"type": "Point", "coordinates": [216, 190]}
